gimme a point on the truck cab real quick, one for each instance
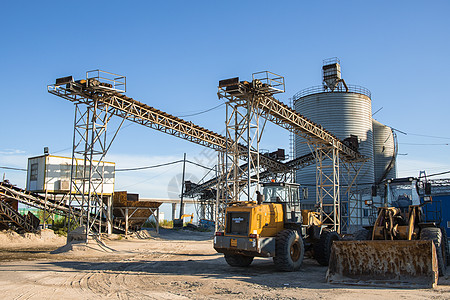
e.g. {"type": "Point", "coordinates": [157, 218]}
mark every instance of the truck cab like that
{"type": "Point", "coordinates": [251, 228]}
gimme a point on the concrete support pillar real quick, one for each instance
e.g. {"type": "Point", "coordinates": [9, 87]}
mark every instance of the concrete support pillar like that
{"type": "Point", "coordinates": [126, 221]}
{"type": "Point", "coordinates": [157, 220]}
{"type": "Point", "coordinates": [174, 210]}
{"type": "Point", "coordinates": [109, 215]}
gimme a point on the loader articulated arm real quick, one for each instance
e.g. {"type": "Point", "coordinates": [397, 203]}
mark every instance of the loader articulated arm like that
{"type": "Point", "coordinates": [393, 224]}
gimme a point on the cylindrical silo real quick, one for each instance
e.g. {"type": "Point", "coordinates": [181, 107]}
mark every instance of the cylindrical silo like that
{"type": "Point", "coordinates": [384, 149]}
{"type": "Point", "coordinates": [343, 112]}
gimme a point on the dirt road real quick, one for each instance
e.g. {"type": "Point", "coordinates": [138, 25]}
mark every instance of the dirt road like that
{"type": "Point", "coordinates": [173, 265]}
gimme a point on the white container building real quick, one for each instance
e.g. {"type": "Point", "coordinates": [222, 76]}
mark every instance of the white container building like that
{"type": "Point", "coordinates": [51, 174]}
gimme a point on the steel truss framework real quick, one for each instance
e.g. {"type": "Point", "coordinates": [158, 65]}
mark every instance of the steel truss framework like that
{"type": "Point", "coordinates": [10, 215]}
{"type": "Point", "coordinates": [90, 145]}
{"type": "Point", "coordinates": [351, 204]}
{"type": "Point", "coordinates": [206, 209]}
{"type": "Point", "coordinates": [292, 165]}
{"type": "Point", "coordinates": [93, 92]}
{"type": "Point", "coordinates": [328, 149]}
{"type": "Point", "coordinates": [222, 188]}
{"type": "Point", "coordinates": [53, 206]}
{"type": "Point", "coordinates": [327, 185]}
{"type": "Point", "coordinates": [103, 99]}
{"type": "Point", "coordinates": [242, 126]}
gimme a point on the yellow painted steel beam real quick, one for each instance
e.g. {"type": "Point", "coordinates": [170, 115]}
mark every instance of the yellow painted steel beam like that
{"type": "Point", "coordinates": [280, 114]}
{"type": "Point", "coordinates": [140, 113]}
{"type": "Point", "coordinates": [284, 116]}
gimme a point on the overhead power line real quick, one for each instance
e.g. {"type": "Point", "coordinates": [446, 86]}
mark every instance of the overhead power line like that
{"type": "Point", "coordinates": [429, 136]}
{"type": "Point", "coordinates": [201, 112]}
{"type": "Point", "coordinates": [149, 167]}
{"type": "Point", "coordinates": [436, 174]}
{"type": "Point", "coordinates": [162, 165]}
{"type": "Point", "coordinates": [12, 168]}
{"type": "Point", "coordinates": [424, 144]}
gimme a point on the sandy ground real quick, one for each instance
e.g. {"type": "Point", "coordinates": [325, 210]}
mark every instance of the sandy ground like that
{"type": "Point", "coordinates": [172, 265]}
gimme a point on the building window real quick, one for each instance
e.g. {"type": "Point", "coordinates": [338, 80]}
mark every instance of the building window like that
{"type": "Point", "coordinates": [34, 172]}
{"type": "Point", "coordinates": [365, 212]}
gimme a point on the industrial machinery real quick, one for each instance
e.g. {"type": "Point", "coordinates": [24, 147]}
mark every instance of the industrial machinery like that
{"type": "Point", "coordinates": [179, 222]}
{"type": "Point", "coordinates": [399, 248]}
{"type": "Point", "coordinates": [273, 226]}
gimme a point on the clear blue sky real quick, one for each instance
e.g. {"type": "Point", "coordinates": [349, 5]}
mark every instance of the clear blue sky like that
{"type": "Point", "coordinates": [175, 52]}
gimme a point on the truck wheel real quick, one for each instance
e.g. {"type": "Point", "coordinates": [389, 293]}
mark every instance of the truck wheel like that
{"type": "Point", "coordinates": [362, 235]}
{"type": "Point", "coordinates": [289, 250]}
{"type": "Point", "coordinates": [322, 248]}
{"type": "Point", "coordinates": [434, 234]}
{"type": "Point", "coordinates": [238, 260]}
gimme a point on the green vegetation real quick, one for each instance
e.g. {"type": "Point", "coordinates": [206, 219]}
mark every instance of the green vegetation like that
{"type": "Point", "coordinates": [59, 227]}
{"type": "Point", "coordinates": [163, 224]}
{"type": "Point", "coordinates": [166, 224]}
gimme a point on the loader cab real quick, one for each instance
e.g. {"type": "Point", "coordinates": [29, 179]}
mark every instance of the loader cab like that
{"type": "Point", "coordinates": [286, 194]}
{"type": "Point", "coordinates": [401, 193]}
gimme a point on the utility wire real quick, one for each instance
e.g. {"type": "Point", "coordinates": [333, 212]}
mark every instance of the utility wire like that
{"type": "Point", "coordinates": [196, 164]}
{"type": "Point", "coordinates": [162, 165]}
{"type": "Point", "coordinates": [429, 136]}
{"type": "Point", "coordinates": [149, 167]}
{"type": "Point", "coordinates": [11, 168]}
{"type": "Point", "coordinates": [201, 112]}
{"type": "Point", "coordinates": [129, 169]}
{"type": "Point", "coordinates": [436, 174]}
{"type": "Point", "coordinates": [423, 144]}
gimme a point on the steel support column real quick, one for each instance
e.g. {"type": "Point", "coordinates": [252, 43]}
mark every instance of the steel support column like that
{"type": "Point", "coordinates": [351, 202]}
{"type": "Point", "coordinates": [327, 185]}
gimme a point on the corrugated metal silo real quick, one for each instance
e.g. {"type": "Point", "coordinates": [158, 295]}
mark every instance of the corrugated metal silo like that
{"type": "Point", "coordinates": [384, 149]}
{"type": "Point", "coordinates": [343, 110]}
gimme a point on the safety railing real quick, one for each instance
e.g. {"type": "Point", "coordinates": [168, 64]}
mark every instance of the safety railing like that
{"type": "Point", "coordinates": [322, 89]}
{"type": "Point", "coordinates": [108, 79]}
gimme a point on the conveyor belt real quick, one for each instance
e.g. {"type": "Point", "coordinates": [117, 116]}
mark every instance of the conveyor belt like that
{"type": "Point", "coordinates": [296, 163]}
{"type": "Point", "coordinates": [9, 191]}
{"type": "Point", "coordinates": [280, 114]}
{"type": "Point", "coordinates": [140, 113]}
{"type": "Point", "coordinates": [10, 215]}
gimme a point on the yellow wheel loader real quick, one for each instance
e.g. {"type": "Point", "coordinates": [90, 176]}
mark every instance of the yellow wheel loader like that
{"type": "Point", "coordinates": [399, 249]}
{"type": "Point", "coordinates": [273, 226]}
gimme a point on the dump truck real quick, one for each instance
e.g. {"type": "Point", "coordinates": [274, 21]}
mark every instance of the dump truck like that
{"type": "Point", "coordinates": [400, 249]}
{"type": "Point", "coordinates": [274, 226]}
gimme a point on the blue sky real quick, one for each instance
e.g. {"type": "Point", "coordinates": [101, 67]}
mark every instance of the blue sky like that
{"type": "Point", "coordinates": [175, 52]}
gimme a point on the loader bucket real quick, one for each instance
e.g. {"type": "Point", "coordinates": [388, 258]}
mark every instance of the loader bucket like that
{"type": "Point", "coordinates": [407, 264]}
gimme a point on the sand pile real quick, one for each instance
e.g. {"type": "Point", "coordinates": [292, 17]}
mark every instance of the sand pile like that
{"type": "Point", "coordinates": [77, 243]}
{"type": "Point", "coordinates": [143, 234]}
{"type": "Point", "coordinates": [11, 239]}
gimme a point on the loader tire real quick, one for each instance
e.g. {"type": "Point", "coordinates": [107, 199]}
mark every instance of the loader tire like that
{"type": "Point", "coordinates": [289, 250]}
{"type": "Point", "coordinates": [434, 234]}
{"type": "Point", "coordinates": [238, 260]}
{"type": "Point", "coordinates": [445, 242]}
{"type": "Point", "coordinates": [322, 248]}
{"type": "Point", "coordinates": [362, 235]}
